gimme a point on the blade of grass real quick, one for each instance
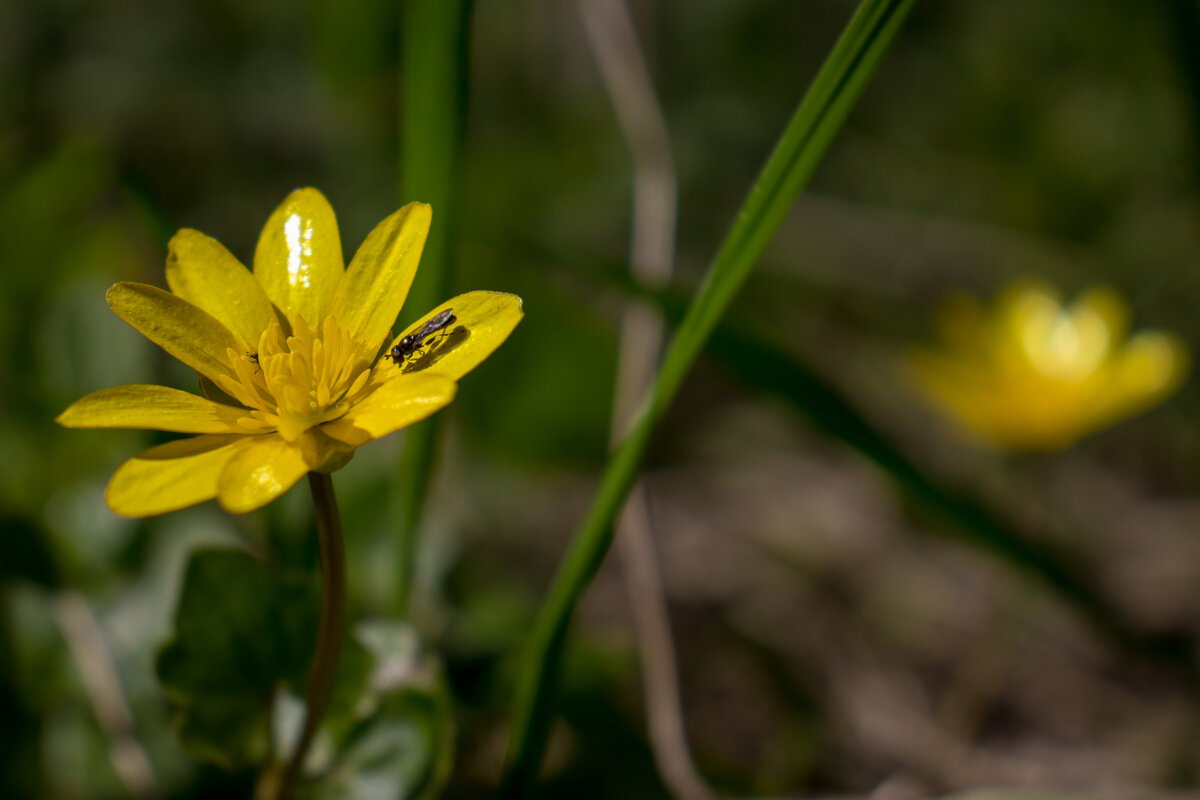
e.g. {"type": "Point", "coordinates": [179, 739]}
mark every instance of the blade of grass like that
{"type": "Point", "coordinates": [433, 52]}
{"type": "Point", "coordinates": [812, 128]}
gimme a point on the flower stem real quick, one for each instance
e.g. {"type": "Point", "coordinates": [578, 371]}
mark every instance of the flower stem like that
{"type": "Point", "coordinates": [332, 623]}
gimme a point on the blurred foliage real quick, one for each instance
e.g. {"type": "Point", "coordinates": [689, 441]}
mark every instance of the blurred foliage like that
{"type": "Point", "coordinates": [402, 741]}
{"type": "Point", "coordinates": [1004, 139]}
{"type": "Point", "coordinates": [241, 634]}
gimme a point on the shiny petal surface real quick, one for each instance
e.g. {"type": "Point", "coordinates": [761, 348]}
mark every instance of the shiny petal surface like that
{"type": "Point", "coordinates": [483, 320]}
{"type": "Point", "coordinates": [260, 472]}
{"type": "Point", "coordinates": [151, 407]}
{"type": "Point", "coordinates": [394, 405]}
{"type": "Point", "coordinates": [171, 476]}
{"type": "Point", "coordinates": [374, 287]}
{"type": "Point", "coordinates": [203, 272]}
{"type": "Point", "coordinates": [298, 260]}
{"type": "Point", "coordinates": [186, 332]}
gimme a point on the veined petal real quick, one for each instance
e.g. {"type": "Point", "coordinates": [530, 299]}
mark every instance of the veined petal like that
{"type": "Point", "coordinates": [394, 405]}
{"type": "Point", "coordinates": [298, 260]}
{"type": "Point", "coordinates": [153, 407]}
{"type": "Point", "coordinates": [186, 332]}
{"type": "Point", "coordinates": [171, 476]}
{"type": "Point", "coordinates": [374, 287]}
{"type": "Point", "coordinates": [261, 471]}
{"type": "Point", "coordinates": [483, 320]}
{"type": "Point", "coordinates": [203, 272]}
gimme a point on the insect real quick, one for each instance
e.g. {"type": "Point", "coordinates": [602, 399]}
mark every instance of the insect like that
{"type": "Point", "coordinates": [253, 358]}
{"type": "Point", "coordinates": [415, 340]}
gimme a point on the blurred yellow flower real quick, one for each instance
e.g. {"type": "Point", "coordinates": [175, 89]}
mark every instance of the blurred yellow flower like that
{"type": "Point", "coordinates": [293, 358]}
{"type": "Point", "coordinates": [1029, 374]}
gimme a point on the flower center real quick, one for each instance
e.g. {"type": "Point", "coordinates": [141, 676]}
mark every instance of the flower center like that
{"type": "Point", "coordinates": [1062, 344]}
{"type": "Point", "coordinates": [296, 382]}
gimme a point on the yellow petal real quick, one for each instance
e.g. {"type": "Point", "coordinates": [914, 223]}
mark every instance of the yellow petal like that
{"type": "Point", "coordinates": [1038, 375]}
{"type": "Point", "coordinates": [323, 453]}
{"type": "Point", "coordinates": [154, 407]}
{"type": "Point", "coordinates": [394, 405]}
{"type": "Point", "coordinates": [217, 394]}
{"type": "Point", "coordinates": [1109, 307]}
{"type": "Point", "coordinates": [483, 320]}
{"type": "Point", "coordinates": [374, 287]}
{"type": "Point", "coordinates": [258, 473]}
{"type": "Point", "coordinates": [950, 384]}
{"type": "Point", "coordinates": [171, 476]}
{"type": "Point", "coordinates": [188, 333]}
{"type": "Point", "coordinates": [1151, 366]}
{"type": "Point", "coordinates": [203, 272]}
{"type": "Point", "coordinates": [298, 260]}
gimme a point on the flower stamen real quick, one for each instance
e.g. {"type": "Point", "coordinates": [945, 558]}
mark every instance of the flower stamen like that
{"type": "Point", "coordinates": [299, 381]}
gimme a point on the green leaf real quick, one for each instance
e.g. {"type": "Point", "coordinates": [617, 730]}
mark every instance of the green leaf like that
{"type": "Point", "coordinates": [402, 744]}
{"type": "Point", "coordinates": [808, 135]}
{"type": "Point", "coordinates": [242, 631]}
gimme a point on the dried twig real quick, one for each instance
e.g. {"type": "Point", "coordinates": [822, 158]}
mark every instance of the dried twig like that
{"type": "Point", "coordinates": [613, 40]}
{"type": "Point", "coordinates": [88, 648]}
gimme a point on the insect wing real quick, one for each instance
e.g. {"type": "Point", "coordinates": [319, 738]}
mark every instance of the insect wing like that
{"type": "Point", "coordinates": [436, 324]}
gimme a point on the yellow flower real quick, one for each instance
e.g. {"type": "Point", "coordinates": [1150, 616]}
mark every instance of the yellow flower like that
{"type": "Point", "coordinates": [289, 358]}
{"type": "Point", "coordinates": [1030, 374]}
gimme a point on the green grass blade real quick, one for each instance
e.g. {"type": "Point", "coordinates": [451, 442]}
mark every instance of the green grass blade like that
{"type": "Point", "coordinates": [433, 48]}
{"type": "Point", "coordinates": [812, 128]}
